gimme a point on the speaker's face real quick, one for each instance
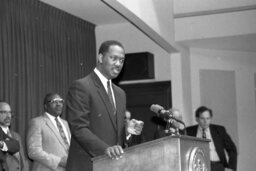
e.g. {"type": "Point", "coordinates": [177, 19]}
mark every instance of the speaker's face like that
{"type": "Point", "coordinates": [112, 62]}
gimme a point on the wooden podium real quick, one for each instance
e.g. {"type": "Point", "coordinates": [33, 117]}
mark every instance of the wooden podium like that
{"type": "Point", "coordinates": [172, 153]}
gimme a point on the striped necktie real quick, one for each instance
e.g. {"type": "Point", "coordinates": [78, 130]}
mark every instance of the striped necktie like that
{"type": "Point", "coordinates": [110, 95]}
{"type": "Point", "coordinates": [203, 133]}
{"type": "Point", "coordinates": [61, 131]}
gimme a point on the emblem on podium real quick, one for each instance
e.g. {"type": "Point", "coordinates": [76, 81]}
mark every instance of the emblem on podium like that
{"type": "Point", "coordinates": [197, 160]}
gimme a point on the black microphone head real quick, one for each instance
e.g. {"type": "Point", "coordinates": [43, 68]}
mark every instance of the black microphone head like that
{"type": "Point", "coordinates": [156, 108]}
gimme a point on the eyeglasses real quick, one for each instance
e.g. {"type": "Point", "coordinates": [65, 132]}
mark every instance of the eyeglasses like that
{"type": "Point", "coordinates": [56, 101]}
{"type": "Point", "coordinates": [4, 112]}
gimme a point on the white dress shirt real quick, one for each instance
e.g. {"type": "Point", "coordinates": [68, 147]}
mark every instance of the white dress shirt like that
{"type": "Point", "coordinates": [5, 129]}
{"type": "Point", "coordinates": [52, 118]}
{"type": "Point", "coordinates": [104, 81]}
{"type": "Point", "coordinates": [213, 154]}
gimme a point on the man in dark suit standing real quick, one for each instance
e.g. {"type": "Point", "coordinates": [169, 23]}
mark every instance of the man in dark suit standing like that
{"type": "Point", "coordinates": [95, 111]}
{"type": "Point", "coordinates": [220, 140]}
{"type": "Point", "coordinates": [12, 153]}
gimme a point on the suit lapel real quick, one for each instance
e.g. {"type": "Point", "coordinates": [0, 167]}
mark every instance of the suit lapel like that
{"type": "Point", "coordinates": [104, 96]}
{"type": "Point", "coordinates": [54, 130]}
{"type": "Point", "coordinates": [194, 130]}
{"type": "Point", "coordinates": [215, 138]}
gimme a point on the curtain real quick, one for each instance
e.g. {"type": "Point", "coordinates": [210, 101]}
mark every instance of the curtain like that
{"type": "Point", "coordinates": [42, 49]}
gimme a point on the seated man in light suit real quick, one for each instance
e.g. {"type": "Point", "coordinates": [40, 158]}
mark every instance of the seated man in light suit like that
{"type": "Point", "coordinates": [15, 160]}
{"type": "Point", "coordinates": [48, 137]}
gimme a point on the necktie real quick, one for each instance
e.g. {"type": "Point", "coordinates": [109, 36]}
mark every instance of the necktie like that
{"type": "Point", "coordinates": [203, 133]}
{"type": "Point", "coordinates": [110, 95]}
{"type": "Point", "coordinates": [61, 131]}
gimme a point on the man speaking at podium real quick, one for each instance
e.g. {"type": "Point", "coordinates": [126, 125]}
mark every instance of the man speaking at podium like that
{"type": "Point", "coordinates": [95, 111]}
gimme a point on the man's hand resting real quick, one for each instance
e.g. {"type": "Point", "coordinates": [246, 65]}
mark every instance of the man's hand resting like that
{"type": "Point", "coordinates": [114, 152]}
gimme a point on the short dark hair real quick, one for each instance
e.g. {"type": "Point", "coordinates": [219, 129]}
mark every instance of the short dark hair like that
{"type": "Point", "coordinates": [202, 109]}
{"type": "Point", "coordinates": [105, 46]}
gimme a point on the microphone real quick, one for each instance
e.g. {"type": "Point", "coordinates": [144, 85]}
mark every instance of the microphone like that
{"type": "Point", "coordinates": [165, 114]}
{"type": "Point", "coordinates": [161, 112]}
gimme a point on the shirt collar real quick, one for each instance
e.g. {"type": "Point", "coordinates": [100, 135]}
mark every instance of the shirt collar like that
{"type": "Point", "coordinates": [50, 116]}
{"type": "Point", "coordinates": [5, 129]}
{"type": "Point", "coordinates": [201, 129]}
{"type": "Point", "coordinates": [102, 78]}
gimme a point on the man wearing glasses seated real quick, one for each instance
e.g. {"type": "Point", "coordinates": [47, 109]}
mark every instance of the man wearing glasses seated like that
{"type": "Point", "coordinates": [48, 137]}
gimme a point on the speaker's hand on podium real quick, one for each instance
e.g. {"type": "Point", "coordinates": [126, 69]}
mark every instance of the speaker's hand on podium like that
{"type": "Point", "coordinates": [114, 152]}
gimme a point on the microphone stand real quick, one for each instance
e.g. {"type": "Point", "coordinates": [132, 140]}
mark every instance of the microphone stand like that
{"type": "Point", "coordinates": [170, 120]}
{"type": "Point", "coordinates": [171, 130]}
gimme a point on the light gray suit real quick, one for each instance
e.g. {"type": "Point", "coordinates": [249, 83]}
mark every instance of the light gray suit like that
{"type": "Point", "coordinates": [45, 145]}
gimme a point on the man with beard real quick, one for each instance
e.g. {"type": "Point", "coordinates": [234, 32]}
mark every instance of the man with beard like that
{"type": "Point", "coordinates": [48, 137]}
{"type": "Point", "coordinates": [12, 156]}
{"type": "Point", "coordinates": [95, 111]}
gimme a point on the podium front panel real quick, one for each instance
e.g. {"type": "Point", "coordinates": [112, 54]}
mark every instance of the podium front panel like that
{"type": "Point", "coordinates": [177, 153]}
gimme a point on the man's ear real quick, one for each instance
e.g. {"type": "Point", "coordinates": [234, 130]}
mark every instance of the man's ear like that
{"type": "Point", "coordinates": [45, 107]}
{"type": "Point", "coordinates": [100, 58]}
{"type": "Point", "coordinates": [197, 120]}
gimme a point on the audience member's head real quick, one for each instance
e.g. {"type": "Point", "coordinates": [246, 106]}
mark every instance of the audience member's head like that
{"type": "Point", "coordinates": [127, 116]}
{"type": "Point", "coordinates": [53, 104]}
{"type": "Point", "coordinates": [176, 114]}
{"type": "Point", "coordinates": [203, 116]}
{"type": "Point", "coordinates": [5, 114]}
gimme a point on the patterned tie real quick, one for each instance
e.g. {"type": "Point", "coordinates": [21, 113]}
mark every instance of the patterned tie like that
{"type": "Point", "coordinates": [61, 131]}
{"type": "Point", "coordinates": [110, 95]}
{"type": "Point", "coordinates": [203, 133]}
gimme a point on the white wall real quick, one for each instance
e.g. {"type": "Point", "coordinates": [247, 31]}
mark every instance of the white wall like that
{"type": "Point", "coordinates": [158, 15]}
{"type": "Point", "coordinates": [135, 41]}
{"type": "Point", "coordinates": [244, 65]}
{"type": "Point", "coordinates": [188, 6]}
{"type": "Point", "coordinates": [213, 26]}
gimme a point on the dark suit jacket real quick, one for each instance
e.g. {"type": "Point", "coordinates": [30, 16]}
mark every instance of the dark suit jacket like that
{"type": "Point", "coordinates": [13, 147]}
{"type": "Point", "coordinates": [93, 125]}
{"type": "Point", "coordinates": [16, 164]}
{"type": "Point", "coordinates": [222, 142]}
{"type": "Point", "coordinates": [134, 140]}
